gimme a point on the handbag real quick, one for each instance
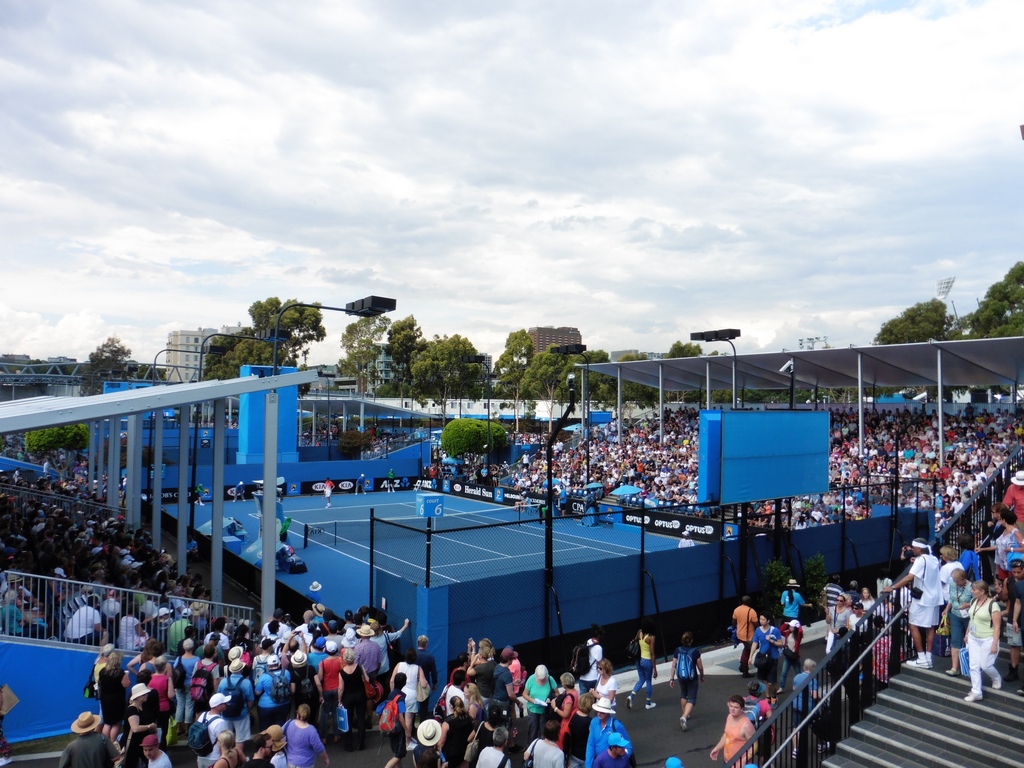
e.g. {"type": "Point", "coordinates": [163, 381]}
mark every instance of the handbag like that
{"type": "Point", "coordinates": [422, 692]}
{"type": "Point", "coordinates": [341, 719]}
{"type": "Point", "coordinates": [90, 687]}
{"type": "Point", "coordinates": [633, 649]}
{"type": "Point", "coordinates": [790, 654]}
{"type": "Point", "coordinates": [965, 662]}
{"type": "Point", "coordinates": [761, 659]}
{"type": "Point", "coordinates": [473, 748]}
{"type": "Point", "coordinates": [172, 732]}
{"type": "Point", "coordinates": [528, 762]}
{"type": "Point", "coordinates": [943, 628]}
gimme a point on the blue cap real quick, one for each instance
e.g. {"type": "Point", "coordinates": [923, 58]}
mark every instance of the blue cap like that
{"type": "Point", "coordinates": [618, 740]}
{"type": "Point", "coordinates": [673, 762]}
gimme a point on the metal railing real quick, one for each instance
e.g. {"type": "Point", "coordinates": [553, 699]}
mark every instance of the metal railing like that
{"type": "Point", "coordinates": [804, 729]}
{"type": "Point", "coordinates": [70, 505]}
{"type": "Point", "coordinates": [55, 610]}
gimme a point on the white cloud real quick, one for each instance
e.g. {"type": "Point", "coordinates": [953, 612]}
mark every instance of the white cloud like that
{"type": "Point", "coordinates": [792, 168]}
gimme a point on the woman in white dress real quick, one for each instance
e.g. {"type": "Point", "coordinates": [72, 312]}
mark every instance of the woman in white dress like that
{"type": "Point", "coordinates": [606, 685]}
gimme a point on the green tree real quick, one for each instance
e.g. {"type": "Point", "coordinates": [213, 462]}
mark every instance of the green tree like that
{"type": "Point", "coordinates": [362, 342]}
{"type": "Point", "coordinates": [236, 353]}
{"type": "Point", "coordinates": [921, 322]}
{"type": "Point", "coordinates": [684, 349]}
{"type": "Point", "coordinates": [469, 436]}
{"type": "Point", "coordinates": [108, 361]}
{"type": "Point", "coordinates": [71, 437]}
{"type": "Point", "coordinates": [545, 379]}
{"type": "Point", "coordinates": [405, 341]}
{"type": "Point", "coordinates": [510, 369]}
{"type": "Point", "coordinates": [1001, 312]}
{"type": "Point", "coordinates": [304, 324]}
{"type": "Point", "coordinates": [439, 375]}
{"type": "Point", "coordinates": [352, 442]}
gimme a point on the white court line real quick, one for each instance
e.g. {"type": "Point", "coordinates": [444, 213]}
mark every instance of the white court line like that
{"type": "Point", "coordinates": [360, 545]}
{"type": "Point", "coordinates": [491, 560]}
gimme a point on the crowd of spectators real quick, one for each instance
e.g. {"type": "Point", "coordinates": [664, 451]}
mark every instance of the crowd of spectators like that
{"type": "Point", "coordinates": [897, 443]}
{"type": "Point", "coordinates": [105, 583]}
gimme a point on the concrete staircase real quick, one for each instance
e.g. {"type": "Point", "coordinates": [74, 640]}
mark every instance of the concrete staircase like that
{"type": "Point", "coordinates": [922, 721]}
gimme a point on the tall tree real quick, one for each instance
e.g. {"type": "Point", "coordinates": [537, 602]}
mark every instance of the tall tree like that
{"type": "Point", "coordinates": [304, 324]}
{"type": "Point", "coordinates": [1001, 312]}
{"type": "Point", "coordinates": [405, 341]}
{"type": "Point", "coordinates": [510, 369]}
{"type": "Point", "coordinates": [921, 322]}
{"type": "Point", "coordinates": [362, 342]}
{"type": "Point", "coordinates": [684, 349]}
{"type": "Point", "coordinates": [545, 379]}
{"type": "Point", "coordinates": [439, 374]}
{"type": "Point", "coordinates": [107, 361]}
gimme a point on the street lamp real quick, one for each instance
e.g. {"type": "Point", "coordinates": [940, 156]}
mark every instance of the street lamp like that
{"type": "Point", "coordinates": [371, 306]}
{"type": "Point", "coordinates": [321, 373]}
{"type": "Point", "coordinates": [549, 528]}
{"type": "Point", "coordinates": [724, 334]}
{"type": "Point", "coordinates": [581, 349]}
{"type": "Point", "coordinates": [482, 360]}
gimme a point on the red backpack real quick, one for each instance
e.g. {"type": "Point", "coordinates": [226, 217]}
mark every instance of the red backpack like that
{"type": "Point", "coordinates": [389, 720]}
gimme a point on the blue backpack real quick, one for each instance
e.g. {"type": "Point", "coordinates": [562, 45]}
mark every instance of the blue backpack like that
{"type": "Point", "coordinates": [686, 666]}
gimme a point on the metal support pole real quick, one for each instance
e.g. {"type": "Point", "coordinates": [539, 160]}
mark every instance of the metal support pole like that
{"type": "Point", "coordinates": [618, 425]}
{"type": "Point", "coordinates": [217, 492]}
{"type": "Point", "coordinates": [133, 471]}
{"type": "Point", "coordinates": [268, 577]}
{"type": "Point", "coordinates": [661, 403]}
{"type": "Point", "coordinates": [940, 398]}
{"type": "Point", "coordinates": [182, 487]}
{"type": "Point", "coordinates": [113, 459]}
{"type": "Point", "coordinates": [156, 496]}
{"type": "Point", "coordinates": [707, 374]}
{"type": "Point", "coordinates": [860, 404]}
{"type": "Point", "coordinates": [430, 535]}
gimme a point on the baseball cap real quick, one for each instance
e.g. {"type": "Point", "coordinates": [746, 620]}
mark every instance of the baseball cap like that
{"type": "Point", "coordinates": [217, 699]}
{"type": "Point", "coordinates": [673, 762]}
{"type": "Point", "coordinates": [618, 740]}
{"type": "Point", "coordinates": [508, 653]}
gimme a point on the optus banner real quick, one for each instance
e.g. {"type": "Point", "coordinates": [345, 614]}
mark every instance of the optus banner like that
{"type": "Point", "coordinates": [669, 524]}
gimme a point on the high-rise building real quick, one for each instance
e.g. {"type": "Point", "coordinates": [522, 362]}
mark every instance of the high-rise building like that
{"type": "Point", "coordinates": [184, 351]}
{"type": "Point", "coordinates": [544, 336]}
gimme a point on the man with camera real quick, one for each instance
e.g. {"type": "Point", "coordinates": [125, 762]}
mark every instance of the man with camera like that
{"type": "Point", "coordinates": [926, 599]}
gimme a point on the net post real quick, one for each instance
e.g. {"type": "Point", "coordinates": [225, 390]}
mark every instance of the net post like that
{"type": "Point", "coordinates": [305, 535]}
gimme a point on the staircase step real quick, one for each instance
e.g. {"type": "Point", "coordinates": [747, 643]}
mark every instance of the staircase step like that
{"type": "Point", "coordinates": [958, 716]}
{"type": "Point", "coordinates": [842, 761]}
{"type": "Point", "coordinates": [914, 739]}
{"type": "Point", "coordinates": [865, 754]}
{"type": "Point", "coordinates": [941, 690]}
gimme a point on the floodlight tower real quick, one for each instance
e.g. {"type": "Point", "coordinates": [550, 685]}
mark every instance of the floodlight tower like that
{"type": "Point", "coordinates": [942, 289]}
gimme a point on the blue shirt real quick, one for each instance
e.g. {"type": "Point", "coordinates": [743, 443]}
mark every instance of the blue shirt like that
{"type": "Point", "coordinates": [805, 696]}
{"type": "Point", "coordinates": [791, 602]}
{"type": "Point", "coordinates": [266, 684]}
{"type": "Point", "coordinates": [597, 741]}
{"type": "Point", "coordinates": [763, 646]}
{"type": "Point", "coordinates": [232, 681]}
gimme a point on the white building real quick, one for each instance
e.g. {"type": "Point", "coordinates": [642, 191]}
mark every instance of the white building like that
{"type": "Point", "coordinates": [184, 351]}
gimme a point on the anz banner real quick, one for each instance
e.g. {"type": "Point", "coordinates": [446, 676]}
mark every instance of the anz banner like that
{"type": "Point", "coordinates": [669, 524]}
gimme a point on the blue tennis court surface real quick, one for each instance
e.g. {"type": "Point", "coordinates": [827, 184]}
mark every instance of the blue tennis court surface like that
{"type": "Point", "coordinates": [467, 543]}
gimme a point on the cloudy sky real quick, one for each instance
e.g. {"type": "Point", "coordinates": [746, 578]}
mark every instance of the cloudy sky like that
{"type": "Point", "coordinates": [639, 170]}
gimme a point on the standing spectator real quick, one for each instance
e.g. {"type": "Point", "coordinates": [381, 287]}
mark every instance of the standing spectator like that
{"type": "Point", "coordinates": [304, 678]}
{"type": "Point", "coordinates": [397, 737]}
{"type": "Point", "coordinates": [86, 625]}
{"type": "Point", "coordinates": [545, 752]}
{"type": "Point", "coordinates": [738, 730]}
{"type": "Point", "coordinates": [493, 755]}
{"type": "Point", "coordinates": [216, 724]}
{"type": "Point", "coordinates": [413, 677]}
{"type": "Point", "coordinates": [91, 749]}
{"type": "Point", "coordinates": [425, 660]}
{"type": "Point", "coordinates": [138, 723]}
{"type": "Point", "coordinates": [768, 644]}
{"type": "Point", "coordinates": [792, 635]}
{"type": "Point", "coordinates": [744, 620]}
{"type": "Point", "coordinates": [329, 673]}
{"type": "Point", "coordinates": [607, 686]}
{"type": "Point", "coordinates": [540, 689]}
{"type": "Point", "coordinates": [688, 669]}
{"type": "Point", "coordinates": [925, 603]}
{"type": "Point", "coordinates": [804, 702]}
{"type": "Point", "coordinates": [838, 617]}
{"type": "Point", "coordinates": [163, 684]}
{"type": "Point", "coordinates": [239, 689]}
{"type": "Point", "coordinates": [302, 741]}
{"type": "Point", "coordinates": [112, 685]}
{"type": "Point", "coordinates": [353, 698]}
{"type": "Point", "coordinates": [791, 600]}
{"type": "Point", "coordinates": [603, 726]}
{"type": "Point", "coordinates": [384, 638]}
{"type": "Point", "coordinates": [275, 689]}
{"type": "Point", "coordinates": [504, 686]}
{"type": "Point", "coordinates": [983, 625]}
{"type": "Point", "coordinates": [184, 710]}
{"type": "Point", "coordinates": [645, 669]}
{"type": "Point", "coordinates": [153, 754]}
{"type": "Point", "coordinates": [959, 595]}
{"type": "Point", "coordinates": [481, 669]}
{"type": "Point", "coordinates": [588, 680]}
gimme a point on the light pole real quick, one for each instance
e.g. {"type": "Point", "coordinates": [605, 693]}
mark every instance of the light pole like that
{"type": "Point", "coordinates": [321, 373]}
{"type": "Point", "coordinates": [724, 334]}
{"type": "Point", "coordinates": [549, 527]}
{"type": "Point", "coordinates": [371, 306]}
{"type": "Point", "coordinates": [581, 349]}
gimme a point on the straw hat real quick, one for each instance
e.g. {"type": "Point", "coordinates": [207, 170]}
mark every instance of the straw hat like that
{"type": "Point", "coordinates": [365, 631]}
{"type": "Point", "coordinates": [86, 723]}
{"type": "Point", "coordinates": [298, 659]}
{"type": "Point", "coordinates": [236, 666]}
{"type": "Point", "coordinates": [429, 733]}
{"type": "Point", "coordinates": [603, 705]}
{"type": "Point", "coordinates": [277, 738]}
{"type": "Point", "coordinates": [139, 689]}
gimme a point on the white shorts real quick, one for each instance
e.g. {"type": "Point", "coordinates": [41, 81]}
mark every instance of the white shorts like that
{"type": "Point", "coordinates": [242, 729]}
{"type": "Point", "coordinates": [924, 615]}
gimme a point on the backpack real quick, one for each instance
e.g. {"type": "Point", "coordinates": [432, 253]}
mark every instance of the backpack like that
{"type": "Point", "coordinates": [580, 664]}
{"type": "Point", "coordinates": [441, 707]}
{"type": "Point", "coordinates": [280, 688]}
{"type": "Point", "coordinates": [259, 667]}
{"type": "Point", "coordinates": [178, 675]}
{"type": "Point", "coordinates": [236, 701]}
{"type": "Point", "coordinates": [202, 685]}
{"type": "Point", "coordinates": [307, 689]}
{"type": "Point", "coordinates": [752, 709]}
{"type": "Point", "coordinates": [389, 721]}
{"type": "Point", "coordinates": [199, 740]}
{"type": "Point", "coordinates": [686, 669]}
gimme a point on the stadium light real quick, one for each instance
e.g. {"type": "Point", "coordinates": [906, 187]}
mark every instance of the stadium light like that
{"type": "Point", "coordinates": [943, 287]}
{"type": "Point", "coordinates": [371, 306]}
{"type": "Point", "coordinates": [726, 335]}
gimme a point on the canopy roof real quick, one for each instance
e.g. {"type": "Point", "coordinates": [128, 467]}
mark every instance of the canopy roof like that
{"type": "Point", "coordinates": [974, 363]}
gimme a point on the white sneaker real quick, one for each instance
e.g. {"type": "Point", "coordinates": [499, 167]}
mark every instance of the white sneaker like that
{"type": "Point", "coordinates": [682, 723]}
{"type": "Point", "coordinates": [5, 761]}
{"type": "Point", "coordinates": [997, 683]}
{"type": "Point", "coordinates": [972, 697]}
{"type": "Point", "coordinates": [650, 705]}
{"type": "Point", "coordinates": [920, 662]}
